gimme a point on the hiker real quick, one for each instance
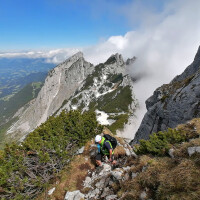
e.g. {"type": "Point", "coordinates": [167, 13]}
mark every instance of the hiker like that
{"type": "Point", "coordinates": [105, 148]}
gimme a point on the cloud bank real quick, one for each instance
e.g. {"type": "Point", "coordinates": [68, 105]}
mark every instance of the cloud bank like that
{"type": "Point", "coordinates": [165, 44]}
{"type": "Point", "coordinates": [52, 56]}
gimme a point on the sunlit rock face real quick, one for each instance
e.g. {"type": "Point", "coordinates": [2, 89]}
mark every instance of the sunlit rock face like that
{"type": "Point", "coordinates": [59, 85]}
{"type": "Point", "coordinates": [106, 89]}
{"type": "Point", "coordinates": [173, 103]}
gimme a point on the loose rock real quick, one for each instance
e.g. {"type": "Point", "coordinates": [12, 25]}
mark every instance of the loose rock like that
{"type": "Point", "coordinates": [171, 153]}
{"type": "Point", "coordinates": [143, 195]}
{"type": "Point", "coordinates": [81, 150]}
{"type": "Point", "coordinates": [111, 197]}
{"type": "Point", "coordinates": [117, 174]}
{"type": "Point", "coordinates": [192, 150]}
{"type": "Point", "coordinates": [75, 195]}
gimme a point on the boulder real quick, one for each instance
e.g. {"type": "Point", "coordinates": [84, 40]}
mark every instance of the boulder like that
{"type": "Point", "coordinates": [81, 150]}
{"type": "Point", "coordinates": [93, 194]}
{"type": "Point", "coordinates": [50, 192]}
{"type": "Point", "coordinates": [106, 192]}
{"type": "Point", "coordinates": [133, 175]}
{"type": "Point", "coordinates": [75, 195]}
{"type": "Point", "coordinates": [143, 195]}
{"type": "Point", "coordinates": [105, 169]}
{"type": "Point", "coordinates": [126, 168]}
{"type": "Point", "coordinates": [117, 174]}
{"type": "Point", "coordinates": [87, 181]}
{"type": "Point", "coordinates": [111, 197]}
{"type": "Point", "coordinates": [102, 183]}
{"type": "Point", "coordinates": [192, 150]}
{"type": "Point", "coordinates": [171, 153]}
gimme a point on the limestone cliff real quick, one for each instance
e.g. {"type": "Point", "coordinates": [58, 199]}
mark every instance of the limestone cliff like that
{"type": "Point", "coordinates": [77, 84]}
{"type": "Point", "coordinates": [59, 85]}
{"type": "Point", "coordinates": [173, 103]}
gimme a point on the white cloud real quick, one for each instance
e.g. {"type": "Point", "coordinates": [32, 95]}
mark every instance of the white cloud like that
{"type": "Point", "coordinates": [52, 56]}
{"type": "Point", "coordinates": [164, 47]}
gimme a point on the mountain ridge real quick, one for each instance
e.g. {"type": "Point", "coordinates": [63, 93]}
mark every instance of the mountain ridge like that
{"type": "Point", "coordinates": [77, 76]}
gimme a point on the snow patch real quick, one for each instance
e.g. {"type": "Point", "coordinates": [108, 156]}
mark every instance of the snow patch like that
{"type": "Point", "coordinates": [74, 107]}
{"type": "Point", "coordinates": [104, 77]}
{"type": "Point", "coordinates": [102, 117]}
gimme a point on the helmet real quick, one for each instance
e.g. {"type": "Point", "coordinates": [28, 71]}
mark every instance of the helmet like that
{"type": "Point", "coordinates": [97, 138]}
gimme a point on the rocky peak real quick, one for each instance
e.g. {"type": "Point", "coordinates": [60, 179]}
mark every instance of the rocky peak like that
{"type": "Point", "coordinates": [59, 85]}
{"type": "Point", "coordinates": [191, 69]}
{"type": "Point", "coordinates": [115, 58]}
{"type": "Point", "coordinates": [73, 59]}
{"type": "Point", "coordinates": [130, 61]}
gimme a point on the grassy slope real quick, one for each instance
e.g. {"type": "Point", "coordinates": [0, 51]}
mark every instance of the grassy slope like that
{"type": "Point", "coordinates": [165, 178]}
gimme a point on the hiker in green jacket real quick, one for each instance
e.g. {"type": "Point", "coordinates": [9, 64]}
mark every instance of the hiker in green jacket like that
{"type": "Point", "coordinates": [104, 149]}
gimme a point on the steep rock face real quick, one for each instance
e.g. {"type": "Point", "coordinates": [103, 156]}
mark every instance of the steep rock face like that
{"type": "Point", "coordinates": [104, 81]}
{"type": "Point", "coordinates": [173, 103]}
{"type": "Point", "coordinates": [77, 84]}
{"type": "Point", "coordinates": [108, 90]}
{"type": "Point", "coordinates": [59, 85]}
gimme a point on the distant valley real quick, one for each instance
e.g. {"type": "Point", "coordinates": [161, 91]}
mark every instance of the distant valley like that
{"type": "Point", "coordinates": [15, 73]}
{"type": "Point", "coordinates": [20, 81]}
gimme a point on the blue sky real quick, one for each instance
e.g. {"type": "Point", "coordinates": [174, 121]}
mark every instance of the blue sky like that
{"type": "Point", "coordinates": [40, 24]}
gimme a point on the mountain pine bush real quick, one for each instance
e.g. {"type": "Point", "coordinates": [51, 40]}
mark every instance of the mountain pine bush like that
{"type": "Point", "coordinates": [26, 169]}
{"type": "Point", "coordinates": [160, 143]}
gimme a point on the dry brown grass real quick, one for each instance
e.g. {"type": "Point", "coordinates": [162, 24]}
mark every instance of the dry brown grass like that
{"type": "Point", "coordinates": [190, 129]}
{"type": "Point", "coordinates": [107, 131]}
{"type": "Point", "coordinates": [71, 177]}
{"type": "Point", "coordinates": [130, 190]}
{"type": "Point", "coordinates": [119, 152]}
{"type": "Point", "coordinates": [181, 150]}
{"type": "Point", "coordinates": [179, 181]}
{"type": "Point", "coordinates": [165, 178]}
{"type": "Point", "coordinates": [120, 140]}
{"type": "Point", "coordinates": [88, 147]}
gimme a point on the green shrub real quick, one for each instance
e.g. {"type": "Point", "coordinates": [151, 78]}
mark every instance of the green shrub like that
{"type": "Point", "coordinates": [159, 143]}
{"type": "Point", "coordinates": [110, 60]}
{"type": "Point", "coordinates": [112, 102]}
{"type": "Point", "coordinates": [116, 78]}
{"type": "Point", "coordinates": [121, 120]}
{"type": "Point", "coordinates": [26, 169]}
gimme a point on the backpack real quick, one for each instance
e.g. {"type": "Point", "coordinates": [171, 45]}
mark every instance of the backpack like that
{"type": "Point", "coordinates": [112, 140]}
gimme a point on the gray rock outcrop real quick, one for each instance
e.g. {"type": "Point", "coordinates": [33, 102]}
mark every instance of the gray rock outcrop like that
{"type": "Point", "coordinates": [193, 150]}
{"type": "Point", "coordinates": [173, 103]}
{"type": "Point", "coordinates": [75, 195]}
